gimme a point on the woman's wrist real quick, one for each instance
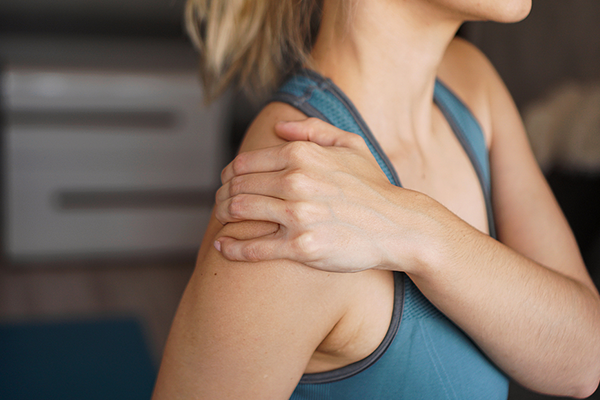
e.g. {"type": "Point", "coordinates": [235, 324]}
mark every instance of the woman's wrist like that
{"type": "Point", "coordinates": [421, 234]}
{"type": "Point", "coordinates": [447, 244]}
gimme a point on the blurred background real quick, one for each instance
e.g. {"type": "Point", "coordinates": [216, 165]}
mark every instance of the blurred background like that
{"type": "Point", "coordinates": [110, 160]}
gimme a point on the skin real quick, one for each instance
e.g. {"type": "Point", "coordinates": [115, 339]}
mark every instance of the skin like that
{"type": "Point", "coordinates": [254, 317]}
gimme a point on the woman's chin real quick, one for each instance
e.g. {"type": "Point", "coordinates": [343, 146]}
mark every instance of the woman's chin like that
{"type": "Point", "coordinates": [515, 10]}
{"type": "Point", "coordinates": [507, 11]}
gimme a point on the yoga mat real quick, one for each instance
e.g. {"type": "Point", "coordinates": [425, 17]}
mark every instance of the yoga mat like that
{"type": "Point", "coordinates": [84, 360]}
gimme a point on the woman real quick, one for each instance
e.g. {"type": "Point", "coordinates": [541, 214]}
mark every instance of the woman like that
{"type": "Point", "coordinates": [256, 322]}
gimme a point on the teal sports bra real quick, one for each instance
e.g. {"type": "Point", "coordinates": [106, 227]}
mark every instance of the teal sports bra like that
{"type": "Point", "coordinates": [423, 355]}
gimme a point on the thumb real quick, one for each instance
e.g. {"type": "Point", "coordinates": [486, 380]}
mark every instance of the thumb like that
{"type": "Point", "coordinates": [264, 248]}
{"type": "Point", "coordinates": [317, 131]}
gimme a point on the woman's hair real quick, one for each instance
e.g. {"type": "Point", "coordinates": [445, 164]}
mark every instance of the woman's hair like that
{"type": "Point", "coordinates": [253, 43]}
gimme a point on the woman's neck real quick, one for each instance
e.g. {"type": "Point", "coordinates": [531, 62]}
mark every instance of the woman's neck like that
{"type": "Point", "coordinates": [385, 55]}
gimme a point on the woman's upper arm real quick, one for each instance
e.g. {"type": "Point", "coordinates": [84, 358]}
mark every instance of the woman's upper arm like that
{"type": "Point", "coordinates": [528, 218]}
{"type": "Point", "coordinates": [246, 330]}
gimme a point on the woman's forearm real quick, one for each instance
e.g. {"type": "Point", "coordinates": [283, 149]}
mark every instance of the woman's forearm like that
{"type": "Point", "coordinates": [539, 326]}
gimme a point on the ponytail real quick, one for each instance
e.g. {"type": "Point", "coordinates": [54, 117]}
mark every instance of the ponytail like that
{"type": "Point", "coordinates": [253, 43]}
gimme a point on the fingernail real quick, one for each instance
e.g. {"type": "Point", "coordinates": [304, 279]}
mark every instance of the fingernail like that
{"type": "Point", "coordinates": [217, 245]}
{"type": "Point", "coordinates": [287, 123]}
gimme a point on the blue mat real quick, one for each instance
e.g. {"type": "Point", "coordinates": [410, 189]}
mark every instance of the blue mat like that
{"type": "Point", "coordinates": [100, 359]}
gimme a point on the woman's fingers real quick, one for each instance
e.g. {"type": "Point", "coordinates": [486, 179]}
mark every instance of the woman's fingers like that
{"type": "Point", "coordinates": [305, 139]}
{"type": "Point", "coordinates": [264, 160]}
{"type": "Point", "coordinates": [291, 214]}
{"type": "Point", "coordinates": [265, 248]}
{"type": "Point", "coordinates": [261, 249]}
{"type": "Point", "coordinates": [319, 132]}
{"type": "Point", "coordinates": [271, 159]}
{"type": "Point", "coordinates": [266, 184]}
{"type": "Point", "coordinates": [249, 207]}
{"type": "Point", "coordinates": [286, 185]}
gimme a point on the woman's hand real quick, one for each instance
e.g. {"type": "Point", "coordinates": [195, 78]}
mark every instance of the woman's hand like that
{"type": "Point", "coordinates": [335, 208]}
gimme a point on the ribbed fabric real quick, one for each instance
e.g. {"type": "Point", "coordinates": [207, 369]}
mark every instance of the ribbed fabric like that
{"type": "Point", "coordinates": [424, 355]}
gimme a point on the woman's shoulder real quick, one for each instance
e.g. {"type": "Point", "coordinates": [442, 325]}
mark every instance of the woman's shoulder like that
{"type": "Point", "coordinates": [261, 133]}
{"type": "Point", "coordinates": [350, 305]}
{"type": "Point", "coordinates": [469, 73]}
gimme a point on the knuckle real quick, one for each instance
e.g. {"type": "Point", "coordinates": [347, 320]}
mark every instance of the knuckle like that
{"type": "Point", "coordinates": [296, 151]}
{"type": "Point", "coordinates": [224, 173]}
{"type": "Point", "coordinates": [220, 217]}
{"type": "Point", "coordinates": [294, 181]}
{"type": "Point", "coordinates": [250, 253]}
{"type": "Point", "coordinates": [236, 207]}
{"type": "Point", "coordinates": [306, 214]}
{"type": "Point", "coordinates": [303, 212]}
{"type": "Point", "coordinates": [237, 165]}
{"type": "Point", "coordinates": [314, 124]}
{"type": "Point", "coordinates": [219, 194]}
{"type": "Point", "coordinates": [357, 141]}
{"type": "Point", "coordinates": [306, 246]}
{"type": "Point", "coordinates": [228, 251]}
{"type": "Point", "coordinates": [301, 152]}
{"type": "Point", "coordinates": [235, 186]}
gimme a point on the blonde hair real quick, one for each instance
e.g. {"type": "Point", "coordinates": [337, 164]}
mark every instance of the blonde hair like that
{"type": "Point", "coordinates": [253, 43]}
